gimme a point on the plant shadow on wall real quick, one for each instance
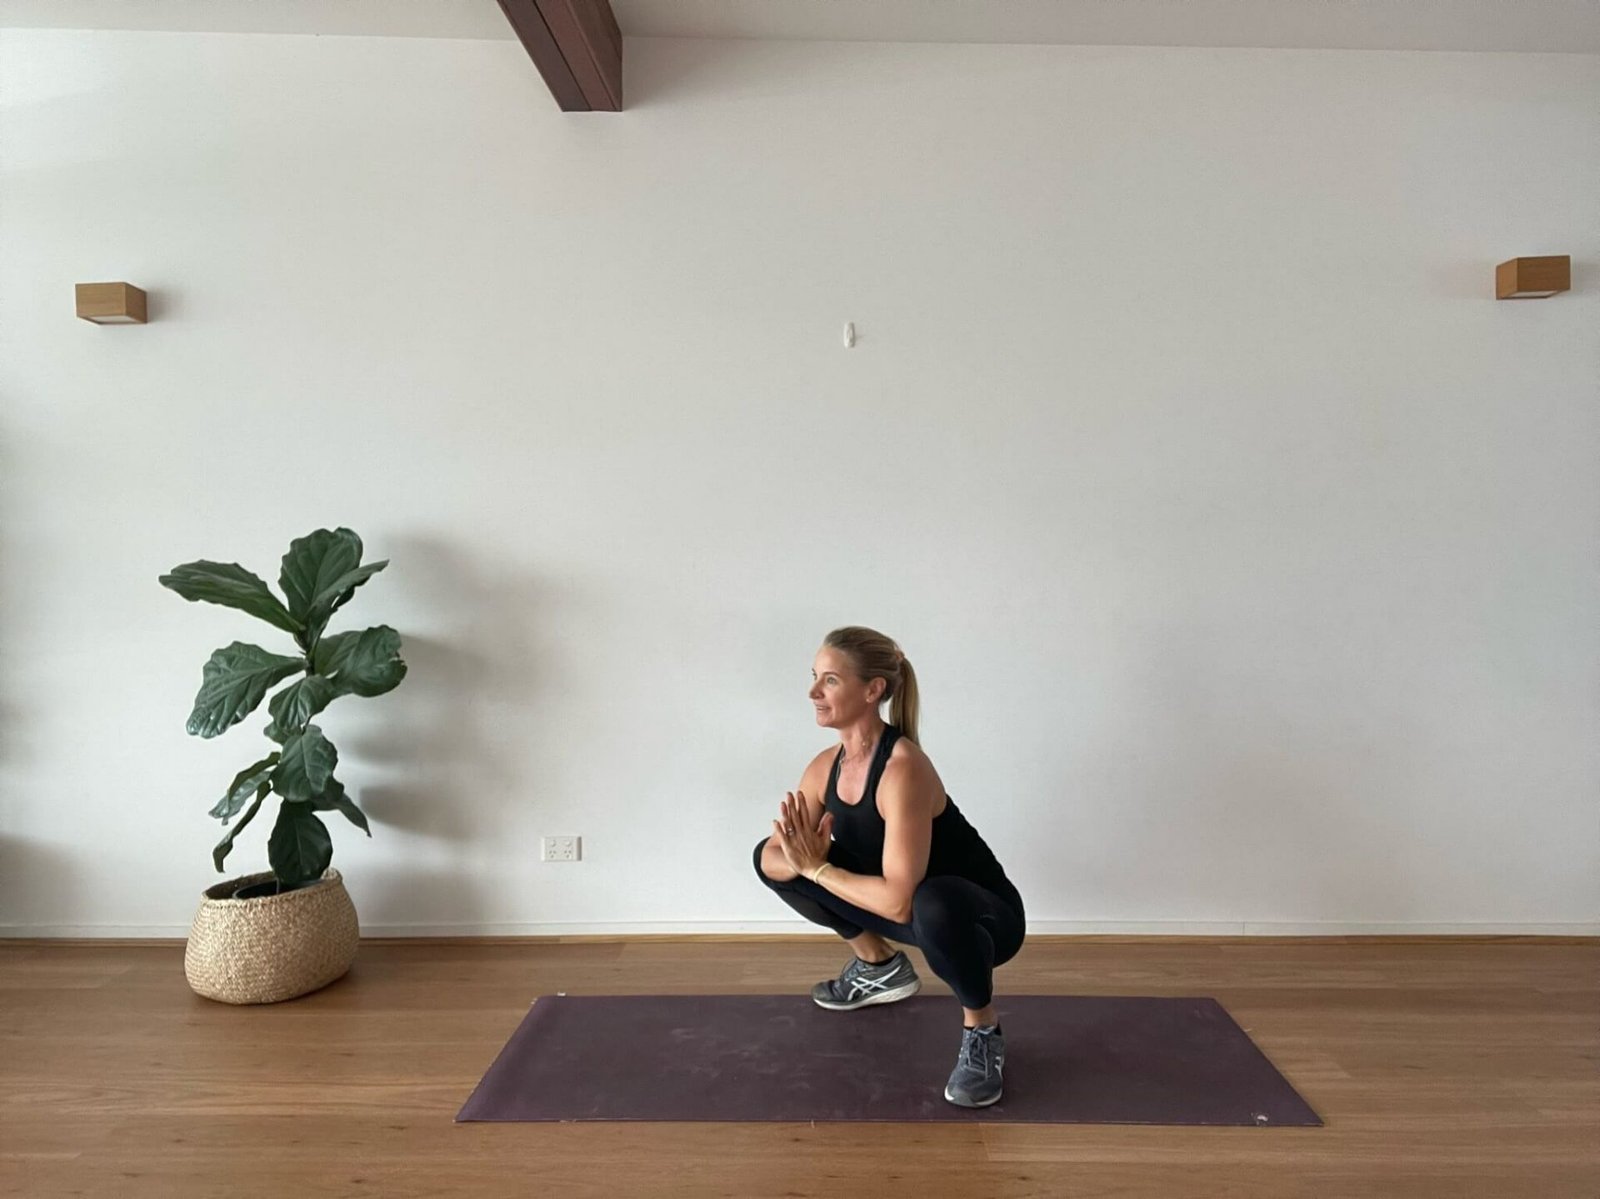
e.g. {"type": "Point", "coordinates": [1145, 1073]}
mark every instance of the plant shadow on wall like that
{"type": "Point", "coordinates": [462, 789]}
{"type": "Point", "coordinates": [38, 878]}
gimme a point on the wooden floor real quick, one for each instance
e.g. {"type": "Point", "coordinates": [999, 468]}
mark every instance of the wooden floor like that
{"type": "Point", "coordinates": [1449, 1068]}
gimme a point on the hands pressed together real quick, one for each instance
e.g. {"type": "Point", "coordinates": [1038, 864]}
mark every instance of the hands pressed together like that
{"type": "Point", "coordinates": [802, 832]}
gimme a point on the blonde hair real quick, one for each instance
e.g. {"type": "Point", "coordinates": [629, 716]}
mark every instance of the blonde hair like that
{"type": "Point", "coordinates": [876, 656]}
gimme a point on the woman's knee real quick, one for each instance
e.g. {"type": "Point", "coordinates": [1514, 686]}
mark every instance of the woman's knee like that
{"type": "Point", "coordinates": [771, 865]}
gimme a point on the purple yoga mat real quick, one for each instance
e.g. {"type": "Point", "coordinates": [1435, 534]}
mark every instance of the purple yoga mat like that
{"type": "Point", "coordinates": [1070, 1059]}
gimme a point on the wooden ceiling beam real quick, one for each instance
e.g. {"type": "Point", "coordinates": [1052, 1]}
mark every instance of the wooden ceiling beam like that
{"type": "Point", "coordinates": [577, 46]}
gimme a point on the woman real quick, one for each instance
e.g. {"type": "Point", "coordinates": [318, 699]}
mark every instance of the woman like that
{"type": "Point", "coordinates": [886, 855]}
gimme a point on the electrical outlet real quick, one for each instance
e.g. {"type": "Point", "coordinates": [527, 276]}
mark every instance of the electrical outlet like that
{"type": "Point", "coordinates": [562, 849]}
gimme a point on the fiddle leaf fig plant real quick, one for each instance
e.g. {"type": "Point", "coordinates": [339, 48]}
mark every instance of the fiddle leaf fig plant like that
{"type": "Point", "coordinates": [319, 575]}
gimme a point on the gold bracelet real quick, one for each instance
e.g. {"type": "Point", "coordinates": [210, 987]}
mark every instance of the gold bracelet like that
{"type": "Point", "coordinates": [816, 877]}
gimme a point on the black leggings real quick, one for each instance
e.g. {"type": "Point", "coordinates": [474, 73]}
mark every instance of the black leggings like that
{"type": "Point", "coordinates": [963, 929]}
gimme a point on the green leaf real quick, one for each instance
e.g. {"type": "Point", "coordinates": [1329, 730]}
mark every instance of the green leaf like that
{"type": "Point", "coordinates": [231, 585]}
{"type": "Point", "coordinates": [224, 845]}
{"type": "Point", "coordinates": [298, 703]}
{"type": "Point", "coordinates": [335, 799]}
{"type": "Point", "coordinates": [235, 679]}
{"type": "Point", "coordinates": [315, 563]}
{"type": "Point", "coordinates": [364, 662]}
{"type": "Point", "coordinates": [299, 849]}
{"type": "Point", "coordinates": [338, 593]}
{"type": "Point", "coordinates": [246, 781]}
{"type": "Point", "coordinates": [307, 764]}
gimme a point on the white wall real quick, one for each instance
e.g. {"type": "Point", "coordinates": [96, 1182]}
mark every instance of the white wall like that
{"type": "Point", "coordinates": [1244, 545]}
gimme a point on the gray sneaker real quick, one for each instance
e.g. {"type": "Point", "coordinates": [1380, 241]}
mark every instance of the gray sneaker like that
{"type": "Point", "coordinates": [861, 983]}
{"type": "Point", "coordinates": [975, 1082]}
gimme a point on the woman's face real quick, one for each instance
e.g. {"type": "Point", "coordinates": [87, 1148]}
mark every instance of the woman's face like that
{"type": "Point", "coordinates": [839, 695]}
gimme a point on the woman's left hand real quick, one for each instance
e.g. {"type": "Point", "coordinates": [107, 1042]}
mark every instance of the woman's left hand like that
{"type": "Point", "coordinates": [804, 848]}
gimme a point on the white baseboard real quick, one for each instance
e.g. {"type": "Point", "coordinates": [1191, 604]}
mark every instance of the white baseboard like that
{"type": "Point", "coordinates": [1124, 928]}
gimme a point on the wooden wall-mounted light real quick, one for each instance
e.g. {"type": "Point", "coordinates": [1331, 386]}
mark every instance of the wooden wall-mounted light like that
{"type": "Point", "coordinates": [111, 303]}
{"type": "Point", "coordinates": [1532, 278]}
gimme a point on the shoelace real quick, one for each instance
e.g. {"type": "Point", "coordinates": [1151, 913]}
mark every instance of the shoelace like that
{"type": "Point", "coordinates": [975, 1051]}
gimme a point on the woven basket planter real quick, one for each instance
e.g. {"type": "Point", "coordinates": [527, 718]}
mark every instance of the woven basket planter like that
{"type": "Point", "coordinates": [272, 948]}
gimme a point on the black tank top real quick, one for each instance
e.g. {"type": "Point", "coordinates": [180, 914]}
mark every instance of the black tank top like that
{"type": "Point", "coordinates": [858, 830]}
